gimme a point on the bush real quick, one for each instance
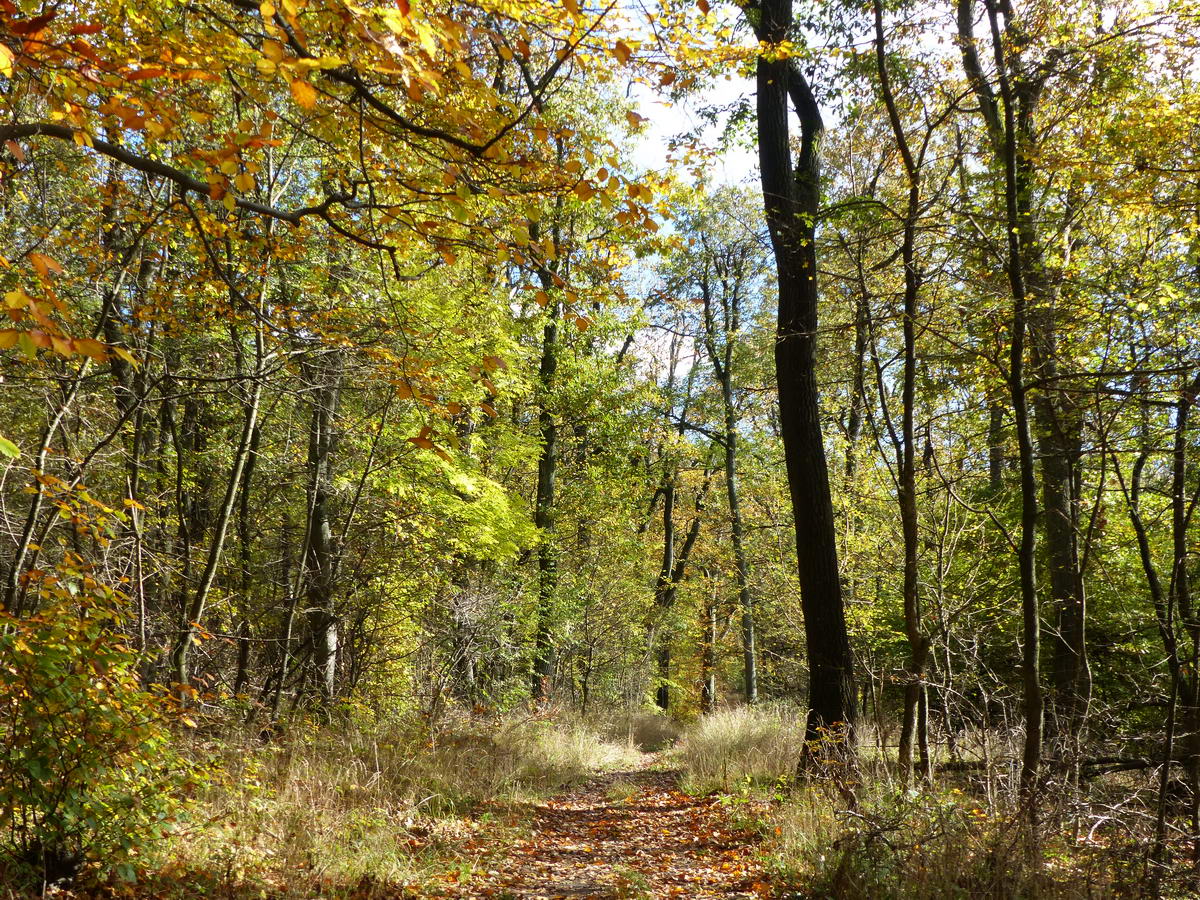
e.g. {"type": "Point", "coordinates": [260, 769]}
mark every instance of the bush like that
{"type": "Point", "coordinates": [86, 773]}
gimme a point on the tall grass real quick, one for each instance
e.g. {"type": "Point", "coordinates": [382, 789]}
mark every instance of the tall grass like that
{"type": "Point", "coordinates": [741, 744]}
{"type": "Point", "coordinates": [390, 805]}
{"type": "Point", "coordinates": [857, 832]}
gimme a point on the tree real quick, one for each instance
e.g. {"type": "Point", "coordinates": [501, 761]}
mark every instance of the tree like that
{"type": "Point", "coordinates": [791, 198]}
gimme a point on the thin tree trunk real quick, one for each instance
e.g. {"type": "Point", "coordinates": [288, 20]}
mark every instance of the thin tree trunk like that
{"type": "Point", "coordinates": [918, 642]}
{"type": "Point", "coordinates": [1016, 184]}
{"type": "Point", "coordinates": [195, 609]}
{"type": "Point", "coordinates": [320, 562]}
{"type": "Point", "coordinates": [543, 511]}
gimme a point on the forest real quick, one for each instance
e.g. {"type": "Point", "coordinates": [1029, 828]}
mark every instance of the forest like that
{"type": "Point", "coordinates": [560, 448]}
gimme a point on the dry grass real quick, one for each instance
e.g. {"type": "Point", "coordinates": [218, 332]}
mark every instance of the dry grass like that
{"type": "Point", "coordinates": [394, 807]}
{"type": "Point", "coordinates": [741, 745]}
{"type": "Point", "coordinates": [858, 833]}
{"type": "Point", "coordinates": [649, 732]}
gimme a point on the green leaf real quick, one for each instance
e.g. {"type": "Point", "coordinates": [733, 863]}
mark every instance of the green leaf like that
{"type": "Point", "coordinates": [8, 448]}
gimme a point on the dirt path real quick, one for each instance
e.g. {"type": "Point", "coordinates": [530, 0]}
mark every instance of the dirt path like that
{"type": "Point", "coordinates": [627, 835]}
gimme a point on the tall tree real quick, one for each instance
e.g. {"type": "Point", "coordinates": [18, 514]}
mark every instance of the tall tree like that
{"type": "Point", "coordinates": [791, 198]}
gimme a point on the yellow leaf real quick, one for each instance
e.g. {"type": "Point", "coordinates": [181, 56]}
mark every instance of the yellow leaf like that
{"type": "Point", "coordinates": [8, 339]}
{"type": "Point", "coordinates": [126, 355]}
{"type": "Point", "coordinates": [244, 182]}
{"type": "Point", "coordinates": [273, 50]}
{"type": "Point", "coordinates": [6, 61]}
{"type": "Point", "coordinates": [304, 93]}
{"type": "Point", "coordinates": [90, 348]}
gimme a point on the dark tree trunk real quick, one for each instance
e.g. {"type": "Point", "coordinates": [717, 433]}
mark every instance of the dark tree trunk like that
{"type": "Point", "coordinates": [670, 574]}
{"type": "Point", "coordinates": [791, 198]}
{"type": "Point", "coordinates": [719, 342]}
{"type": "Point", "coordinates": [708, 660]}
{"type": "Point", "coordinates": [543, 510]}
{"type": "Point", "coordinates": [196, 606]}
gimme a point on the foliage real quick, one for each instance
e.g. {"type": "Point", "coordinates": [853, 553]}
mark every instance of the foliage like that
{"type": "Point", "coordinates": [88, 774]}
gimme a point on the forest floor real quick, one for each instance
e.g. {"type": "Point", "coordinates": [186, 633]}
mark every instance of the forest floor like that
{"type": "Point", "coordinates": [631, 834]}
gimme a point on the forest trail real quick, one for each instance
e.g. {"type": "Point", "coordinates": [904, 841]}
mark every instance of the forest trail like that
{"type": "Point", "coordinates": [629, 834]}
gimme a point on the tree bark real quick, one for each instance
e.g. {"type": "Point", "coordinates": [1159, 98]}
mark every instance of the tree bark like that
{"type": "Point", "coordinates": [321, 556]}
{"type": "Point", "coordinates": [791, 199]}
{"type": "Point", "coordinates": [543, 511]}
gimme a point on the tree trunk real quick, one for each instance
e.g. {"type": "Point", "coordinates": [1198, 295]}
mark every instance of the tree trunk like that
{"type": "Point", "coordinates": [791, 199]}
{"type": "Point", "coordinates": [194, 612]}
{"type": "Point", "coordinates": [543, 511]}
{"type": "Point", "coordinates": [914, 720]}
{"type": "Point", "coordinates": [320, 561]}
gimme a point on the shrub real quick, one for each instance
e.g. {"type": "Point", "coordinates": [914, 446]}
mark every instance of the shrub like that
{"type": "Point", "coordinates": [86, 773]}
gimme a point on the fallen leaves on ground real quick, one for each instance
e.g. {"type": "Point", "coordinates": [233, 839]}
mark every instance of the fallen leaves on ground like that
{"type": "Point", "coordinates": [635, 834]}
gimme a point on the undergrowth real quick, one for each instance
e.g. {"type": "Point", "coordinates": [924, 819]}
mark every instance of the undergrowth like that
{"type": "Point", "coordinates": [859, 832]}
{"type": "Point", "coordinates": [397, 805]}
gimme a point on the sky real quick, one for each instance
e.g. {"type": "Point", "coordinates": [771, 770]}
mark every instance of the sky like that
{"type": "Point", "coordinates": [736, 165]}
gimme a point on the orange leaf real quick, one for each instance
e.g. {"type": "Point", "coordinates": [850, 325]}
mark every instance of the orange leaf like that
{"type": "Point", "coordinates": [303, 93]}
{"type": "Point", "coordinates": [143, 74]}
{"type": "Point", "coordinates": [622, 52]}
{"type": "Point", "coordinates": [44, 264]}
